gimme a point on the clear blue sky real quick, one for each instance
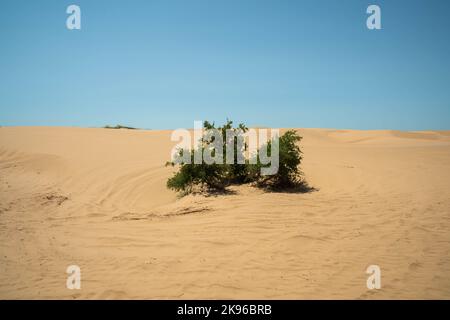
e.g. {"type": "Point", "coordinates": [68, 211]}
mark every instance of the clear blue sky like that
{"type": "Point", "coordinates": [164, 64]}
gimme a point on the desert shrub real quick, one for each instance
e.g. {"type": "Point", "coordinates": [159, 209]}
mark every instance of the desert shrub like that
{"type": "Point", "coordinates": [213, 176]}
{"type": "Point", "coordinates": [290, 157]}
{"type": "Point", "coordinates": [118, 126]}
{"type": "Point", "coordinates": [191, 174]}
{"type": "Point", "coordinates": [235, 172]}
{"type": "Point", "coordinates": [219, 176]}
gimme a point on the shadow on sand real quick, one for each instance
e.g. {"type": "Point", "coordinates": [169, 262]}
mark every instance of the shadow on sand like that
{"type": "Point", "coordinates": [299, 187]}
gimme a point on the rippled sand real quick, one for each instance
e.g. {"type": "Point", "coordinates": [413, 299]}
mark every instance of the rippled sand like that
{"type": "Point", "coordinates": [97, 198]}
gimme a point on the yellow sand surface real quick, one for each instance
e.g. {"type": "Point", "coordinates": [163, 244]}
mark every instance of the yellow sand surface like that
{"type": "Point", "coordinates": [97, 198]}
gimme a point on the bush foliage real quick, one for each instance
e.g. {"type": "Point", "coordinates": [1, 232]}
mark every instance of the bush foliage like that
{"type": "Point", "coordinates": [218, 176]}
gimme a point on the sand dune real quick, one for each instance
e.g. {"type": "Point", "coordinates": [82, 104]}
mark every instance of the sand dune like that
{"type": "Point", "coordinates": [97, 198]}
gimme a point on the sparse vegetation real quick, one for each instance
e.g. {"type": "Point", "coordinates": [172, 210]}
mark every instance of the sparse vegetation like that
{"type": "Point", "coordinates": [118, 126]}
{"type": "Point", "coordinates": [289, 175]}
{"type": "Point", "coordinates": [218, 176]}
{"type": "Point", "coordinates": [213, 176]}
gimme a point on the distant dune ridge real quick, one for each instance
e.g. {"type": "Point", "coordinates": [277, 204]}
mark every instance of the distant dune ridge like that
{"type": "Point", "coordinates": [97, 198]}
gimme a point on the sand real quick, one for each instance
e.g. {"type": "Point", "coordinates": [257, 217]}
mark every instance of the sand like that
{"type": "Point", "coordinates": [96, 198]}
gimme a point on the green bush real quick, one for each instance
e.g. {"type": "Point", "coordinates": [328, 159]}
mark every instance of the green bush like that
{"type": "Point", "coordinates": [219, 176]}
{"type": "Point", "coordinates": [213, 176]}
{"type": "Point", "coordinates": [118, 126]}
{"type": "Point", "coordinates": [290, 157]}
